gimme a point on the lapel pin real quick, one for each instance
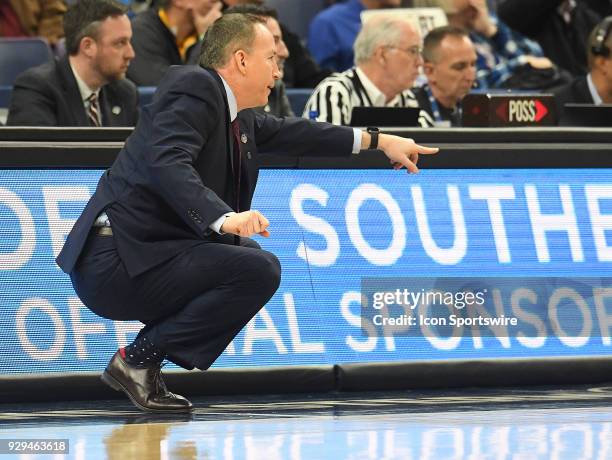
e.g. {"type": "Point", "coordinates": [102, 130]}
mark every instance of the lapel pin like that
{"type": "Point", "coordinates": [248, 155]}
{"type": "Point", "coordinates": [243, 138]}
{"type": "Point", "coordinates": [116, 110]}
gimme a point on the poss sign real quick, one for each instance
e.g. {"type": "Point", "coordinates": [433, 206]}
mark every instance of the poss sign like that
{"type": "Point", "coordinates": [509, 110]}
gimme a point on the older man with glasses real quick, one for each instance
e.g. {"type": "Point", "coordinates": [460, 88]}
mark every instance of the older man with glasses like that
{"type": "Point", "coordinates": [387, 58]}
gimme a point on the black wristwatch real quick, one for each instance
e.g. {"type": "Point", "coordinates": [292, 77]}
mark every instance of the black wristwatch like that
{"type": "Point", "coordinates": [373, 132]}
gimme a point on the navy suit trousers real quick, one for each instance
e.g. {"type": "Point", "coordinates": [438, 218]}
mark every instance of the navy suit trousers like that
{"type": "Point", "coordinates": [192, 305]}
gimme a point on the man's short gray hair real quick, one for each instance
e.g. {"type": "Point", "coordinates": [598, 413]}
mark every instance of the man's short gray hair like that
{"type": "Point", "coordinates": [378, 31]}
{"type": "Point", "coordinates": [227, 35]}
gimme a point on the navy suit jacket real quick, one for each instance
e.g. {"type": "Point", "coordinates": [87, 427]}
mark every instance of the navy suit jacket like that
{"type": "Point", "coordinates": [173, 177]}
{"type": "Point", "coordinates": [48, 95]}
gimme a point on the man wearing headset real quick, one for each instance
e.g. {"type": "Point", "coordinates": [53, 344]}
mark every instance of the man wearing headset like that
{"type": "Point", "coordinates": [595, 87]}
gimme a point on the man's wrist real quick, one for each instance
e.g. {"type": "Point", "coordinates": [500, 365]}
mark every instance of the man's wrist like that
{"type": "Point", "coordinates": [217, 224]}
{"type": "Point", "coordinates": [365, 140]}
{"type": "Point", "coordinates": [373, 132]}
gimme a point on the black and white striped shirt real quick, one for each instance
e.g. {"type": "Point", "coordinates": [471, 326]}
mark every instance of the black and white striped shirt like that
{"type": "Point", "coordinates": [334, 98]}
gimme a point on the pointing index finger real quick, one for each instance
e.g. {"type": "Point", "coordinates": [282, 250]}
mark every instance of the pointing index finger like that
{"type": "Point", "coordinates": [427, 150]}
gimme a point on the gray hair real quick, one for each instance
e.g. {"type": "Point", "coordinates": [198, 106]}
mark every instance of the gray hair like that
{"type": "Point", "coordinates": [378, 31]}
{"type": "Point", "coordinates": [227, 35]}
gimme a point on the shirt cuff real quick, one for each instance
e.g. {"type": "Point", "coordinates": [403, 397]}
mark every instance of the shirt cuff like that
{"type": "Point", "coordinates": [216, 225]}
{"type": "Point", "coordinates": [356, 140]}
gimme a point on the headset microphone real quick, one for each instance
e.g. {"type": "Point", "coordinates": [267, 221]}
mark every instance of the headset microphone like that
{"type": "Point", "coordinates": [599, 47]}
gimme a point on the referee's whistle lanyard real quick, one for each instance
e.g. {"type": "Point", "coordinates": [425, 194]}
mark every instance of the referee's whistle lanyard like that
{"type": "Point", "coordinates": [435, 108]}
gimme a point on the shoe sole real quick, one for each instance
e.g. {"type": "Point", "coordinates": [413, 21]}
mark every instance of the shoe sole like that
{"type": "Point", "coordinates": [117, 386]}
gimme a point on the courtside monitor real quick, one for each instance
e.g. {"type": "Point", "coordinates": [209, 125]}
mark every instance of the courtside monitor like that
{"type": "Point", "coordinates": [587, 115]}
{"type": "Point", "coordinates": [394, 117]}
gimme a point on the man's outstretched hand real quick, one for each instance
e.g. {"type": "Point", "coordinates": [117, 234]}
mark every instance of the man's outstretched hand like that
{"type": "Point", "coordinates": [402, 151]}
{"type": "Point", "coordinates": [246, 224]}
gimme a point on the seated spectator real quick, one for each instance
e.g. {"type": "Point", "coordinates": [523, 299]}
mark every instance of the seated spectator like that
{"type": "Point", "coordinates": [32, 18]}
{"type": "Point", "coordinates": [87, 87]}
{"type": "Point", "coordinates": [450, 67]}
{"type": "Point", "coordinates": [167, 36]}
{"type": "Point", "coordinates": [506, 59]}
{"type": "Point", "coordinates": [561, 27]}
{"type": "Point", "coordinates": [387, 57]}
{"type": "Point", "coordinates": [300, 70]}
{"type": "Point", "coordinates": [333, 31]}
{"type": "Point", "coordinates": [278, 103]}
{"type": "Point", "coordinates": [596, 86]}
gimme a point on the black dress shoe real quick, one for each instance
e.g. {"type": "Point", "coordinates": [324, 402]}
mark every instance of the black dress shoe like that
{"type": "Point", "coordinates": [144, 386]}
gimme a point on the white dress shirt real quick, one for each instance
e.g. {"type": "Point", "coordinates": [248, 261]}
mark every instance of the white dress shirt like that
{"type": "Point", "coordinates": [86, 92]}
{"type": "Point", "coordinates": [597, 100]}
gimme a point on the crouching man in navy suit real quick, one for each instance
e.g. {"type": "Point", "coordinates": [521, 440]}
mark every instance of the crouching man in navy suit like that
{"type": "Point", "coordinates": [165, 238]}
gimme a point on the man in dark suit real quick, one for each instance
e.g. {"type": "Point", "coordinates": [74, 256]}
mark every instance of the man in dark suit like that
{"type": "Point", "coordinates": [88, 86]}
{"type": "Point", "coordinates": [596, 87]}
{"type": "Point", "coordinates": [165, 238]}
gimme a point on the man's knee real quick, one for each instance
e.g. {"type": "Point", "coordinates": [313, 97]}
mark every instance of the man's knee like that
{"type": "Point", "coordinates": [268, 272]}
{"type": "Point", "coordinates": [249, 243]}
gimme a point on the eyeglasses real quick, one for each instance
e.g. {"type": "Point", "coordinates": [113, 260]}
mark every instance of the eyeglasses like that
{"type": "Point", "coordinates": [413, 51]}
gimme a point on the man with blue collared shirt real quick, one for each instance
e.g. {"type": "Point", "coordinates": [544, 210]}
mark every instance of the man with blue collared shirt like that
{"type": "Point", "coordinates": [333, 32]}
{"type": "Point", "coordinates": [596, 87]}
{"type": "Point", "coordinates": [176, 252]}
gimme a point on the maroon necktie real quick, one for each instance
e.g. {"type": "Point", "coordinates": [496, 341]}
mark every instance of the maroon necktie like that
{"type": "Point", "coordinates": [237, 161]}
{"type": "Point", "coordinates": [236, 168]}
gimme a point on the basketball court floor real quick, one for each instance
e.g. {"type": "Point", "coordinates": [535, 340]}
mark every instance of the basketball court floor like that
{"type": "Point", "coordinates": [507, 423]}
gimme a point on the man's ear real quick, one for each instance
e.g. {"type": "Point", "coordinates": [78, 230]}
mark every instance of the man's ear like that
{"type": "Point", "coordinates": [87, 46]}
{"type": "Point", "coordinates": [428, 69]}
{"type": "Point", "coordinates": [380, 55]}
{"type": "Point", "coordinates": [240, 58]}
